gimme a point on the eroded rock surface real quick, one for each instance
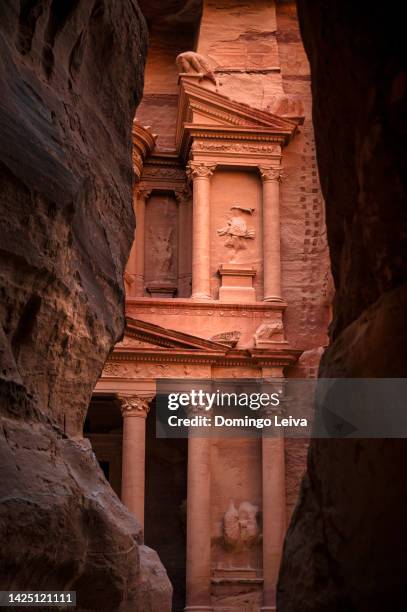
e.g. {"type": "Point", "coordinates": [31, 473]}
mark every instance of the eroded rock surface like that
{"type": "Point", "coordinates": [70, 77]}
{"type": "Point", "coordinates": [347, 543]}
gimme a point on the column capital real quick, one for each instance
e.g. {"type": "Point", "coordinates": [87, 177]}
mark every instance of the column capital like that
{"type": "Point", "coordinates": [199, 170]}
{"type": "Point", "coordinates": [271, 173]}
{"type": "Point", "coordinates": [143, 194]}
{"type": "Point", "coordinates": [183, 195]}
{"type": "Point", "coordinates": [135, 405]}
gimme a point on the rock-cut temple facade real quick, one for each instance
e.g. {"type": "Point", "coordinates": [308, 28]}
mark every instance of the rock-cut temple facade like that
{"type": "Point", "coordinates": [228, 277]}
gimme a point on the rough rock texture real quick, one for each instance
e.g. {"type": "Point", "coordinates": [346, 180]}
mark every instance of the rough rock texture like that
{"type": "Point", "coordinates": [347, 543]}
{"type": "Point", "coordinates": [70, 78]}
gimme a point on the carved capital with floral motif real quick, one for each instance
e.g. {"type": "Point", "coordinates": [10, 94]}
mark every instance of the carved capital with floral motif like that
{"type": "Point", "coordinates": [135, 405]}
{"type": "Point", "coordinates": [199, 170]}
{"type": "Point", "coordinates": [183, 196]}
{"type": "Point", "coordinates": [271, 173]}
{"type": "Point", "coordinates": [143, 194]}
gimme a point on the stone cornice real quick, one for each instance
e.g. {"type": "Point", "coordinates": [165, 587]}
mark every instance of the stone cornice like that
{"type": "Point", "coordinates": [272, 356]}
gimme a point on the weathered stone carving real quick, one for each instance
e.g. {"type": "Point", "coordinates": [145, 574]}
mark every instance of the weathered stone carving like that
{"type": "Point", "coordinates": [199, 170]}
{"type": "Point", "coordinates": [144, 194]}
{"type": "Point", "coordinates": [236, 147]}
{"type": "Point", "coordinates": [135, 405]}
{"type": "Point", "coordinates": [162, 251]}
{"type": "Point", "coordinates": [240, 526]}
{"type": "Point", "coordinates": [236, 230]}
{"type": "Point", "coordinates": [267, 332]}
{"type": "Point", "coordinates": [286, 105]}
{"type": "Point", "coordinates": [128, 280]}
{"type": "Point", "coordinates": [191, 62]}
{"type": "Point", "coordinates": [230, 338]}
{"type": "Point", "coordinates": [271, 173]}
{"type": "Point", "coordinates": [183, 196]}
{"type": "Point", "coordinates": [166, 172]}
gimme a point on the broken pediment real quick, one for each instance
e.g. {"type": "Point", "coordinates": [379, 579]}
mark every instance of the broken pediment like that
{"type": "Point", "coordinates": [141, 334]}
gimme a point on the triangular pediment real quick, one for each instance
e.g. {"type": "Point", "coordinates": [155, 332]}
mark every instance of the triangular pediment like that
{"type": "Point", "coordinates": [141, 334]}
{"type": "Point", "coordinates": [201, 106]}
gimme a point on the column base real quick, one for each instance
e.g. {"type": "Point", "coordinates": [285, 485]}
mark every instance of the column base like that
{"type": "Point", "coordinates": [273, 298]}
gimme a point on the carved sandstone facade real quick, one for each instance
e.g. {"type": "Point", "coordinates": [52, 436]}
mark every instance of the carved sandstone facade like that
{"type": "Point", "coordinates": [227, 278]}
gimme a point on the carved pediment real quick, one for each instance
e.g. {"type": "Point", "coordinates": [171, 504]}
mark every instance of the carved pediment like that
{"type": "Point", "coordinates": [209, 111]}
{"type": "Point", "coordinates": [141, 334]}
{"type": "Point", "coordinates": [129, 342]}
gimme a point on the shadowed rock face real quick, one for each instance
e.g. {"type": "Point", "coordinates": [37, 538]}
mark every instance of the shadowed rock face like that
{"type": "Point", "coordinates": [71, 75]}
{"type": "Point", "coordinates": [176, 12]}
{"type": "Point", "coordinates": [347, 543]}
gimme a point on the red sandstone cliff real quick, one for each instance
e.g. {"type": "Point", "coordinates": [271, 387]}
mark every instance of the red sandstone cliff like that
{"type": "Point", "coordinates": [347, 544]}
{"type": "Point", "coordinates": [70, 77]}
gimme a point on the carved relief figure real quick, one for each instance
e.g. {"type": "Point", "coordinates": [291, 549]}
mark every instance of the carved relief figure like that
{"type": "Point", "coordinates": [162, 251]}
{"type": "Point", "coordinates": [240, 527]}
{"type": "Point", "coordinates": [236, 230]}
{"type": "Point", "coordinates": [191, 62]}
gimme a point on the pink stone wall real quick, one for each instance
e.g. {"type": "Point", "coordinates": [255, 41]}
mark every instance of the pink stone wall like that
{"type": "Point", "coordinates": [307, 285]}
{"type": "Point", "coordinates": [244, 51]}
{"type": "Point", "coordinates": [158, 107]}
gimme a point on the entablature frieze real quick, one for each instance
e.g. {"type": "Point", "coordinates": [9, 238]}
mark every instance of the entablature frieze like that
{"type": "Point", "coordinates": [138, 305]}
{"type": "Point", "coordinates": [247, 358]}
{"type": "Point", "coordinates": [235, 153]}
{"type": "Point", "coordinates": [163, 173]}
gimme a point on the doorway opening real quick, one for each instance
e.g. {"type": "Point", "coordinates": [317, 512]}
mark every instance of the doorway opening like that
{"type": "Point", "coordinates": [165, 505]}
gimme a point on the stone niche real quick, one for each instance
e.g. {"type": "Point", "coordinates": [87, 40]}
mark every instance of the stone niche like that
{"type": "Point", "coordinates": [236, 222]}
{"type": "Point", "coordinates": [161, 245]}
{"type": "Point", "coordinates": [237, 525]}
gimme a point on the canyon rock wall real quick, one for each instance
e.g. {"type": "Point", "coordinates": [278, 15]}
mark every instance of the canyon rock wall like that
{"type": "Point", "coordinates": [347, 543]}
{"type": "Point", "coordinates": [71, 75]}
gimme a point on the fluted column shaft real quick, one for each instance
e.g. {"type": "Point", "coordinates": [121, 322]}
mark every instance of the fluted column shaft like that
{"type": "Point", "coordinates": [201, 174]}
{"type": "Point", "coordinates": [134, 410]}
{"type": "Point", "coordinates": [271, 177]}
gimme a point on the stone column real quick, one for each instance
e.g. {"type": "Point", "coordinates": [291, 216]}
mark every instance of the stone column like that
{"type": "Point", "coordinates": [201, 173]}
{"type": "Point", "coordinates": [198, 565]}
{"type": "Point", "coordinates": [274, 514]}
{"type": "Point", "coordinates": [271, 177]}
{"type": "Point", "coordinates": [135, 265]}
{"type": "Point", "coordinates": [134, 410]}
